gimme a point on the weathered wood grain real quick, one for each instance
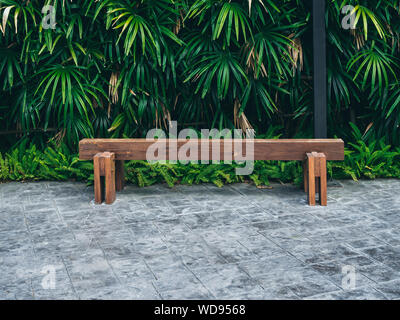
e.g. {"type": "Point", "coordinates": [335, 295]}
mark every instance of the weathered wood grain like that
{"type": "Point", "coordinates": [323, 188]}
{"type": "Point", "coordinates": [311, 179]}
{"type": "Point", "coordinates": [109, 172]}
{"type": "Point", "coordinates": [97, 164]}
{"type": "Point", "coordinates": [315, 178]}
{"type": "Point", "coordinates": [289, 149]}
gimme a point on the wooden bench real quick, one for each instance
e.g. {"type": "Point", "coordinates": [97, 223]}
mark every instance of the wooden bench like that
{"type": "Point", "coordinates": [108, 156]}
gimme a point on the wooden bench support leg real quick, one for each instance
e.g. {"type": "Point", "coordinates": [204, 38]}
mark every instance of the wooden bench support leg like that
{"type": "Point", "coordinates": [315, 179]}
{"type": "Point", "coordinates": [110, 178]}
{"type": "Point", "coordinates": [119, 175]}
{"type": "Point", "coordinates": [311, 178]}
{"type": "Point", "coordinates": [98, 197]}
{"type": "Point", "coordinates": [323, 189]}
{"type": "Point", "coordinates": [104, 166]}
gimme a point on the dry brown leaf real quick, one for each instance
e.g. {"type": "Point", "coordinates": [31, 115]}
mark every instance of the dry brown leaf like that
{"type": "Point", "coordinates": [112, 87]}
{"type": "Point", "coordinates": [264, 187]}
{"type": "Point", "coordinates": [5, 18]}
{"type": "Point", "coordinates": [240, 122]}
{"type": "Point", "coordinates": [296, 53]}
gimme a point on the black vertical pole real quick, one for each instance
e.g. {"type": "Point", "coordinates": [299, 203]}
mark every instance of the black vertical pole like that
{"type": "Point", "coordinates": [320, 75]}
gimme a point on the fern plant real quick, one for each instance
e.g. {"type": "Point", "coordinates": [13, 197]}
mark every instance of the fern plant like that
{"type": "Point", "coordinates": [364, 158]}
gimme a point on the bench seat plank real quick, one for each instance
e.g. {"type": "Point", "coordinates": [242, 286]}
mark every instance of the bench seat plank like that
{"type": "Point", "coordinates": [280, 149]}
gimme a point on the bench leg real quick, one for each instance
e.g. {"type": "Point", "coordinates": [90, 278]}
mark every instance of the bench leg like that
{"type": "Point", "coordinates": [97, 179]}
{"type": "Point", "coordinates": [311, 179]}
{"type": "Point", "coordinates": [119, 175]}
{"type": "Point", "coordinates": [104, 166]}
{"type": "Point", "coordinates": [323, 188]}
{"type": "Point", "coordinates": [315, 178]}
{"type": "Point", "coordinates": [110, 178]}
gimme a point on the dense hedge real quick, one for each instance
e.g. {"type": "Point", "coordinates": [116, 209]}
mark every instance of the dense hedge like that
{"type": "Point", "coordinates": [363, 160]}
{"type": "Point", "coordinates": [115, 68]}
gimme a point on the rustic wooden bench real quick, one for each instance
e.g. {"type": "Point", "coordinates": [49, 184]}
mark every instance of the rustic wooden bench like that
{"type": "Point", "coordinates": [108, 156]}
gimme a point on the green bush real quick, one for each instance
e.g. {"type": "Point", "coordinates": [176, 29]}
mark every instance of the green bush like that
{"type": "Point", "coordinates": [117, 68]}
{"type": "Point", "coordinates": [54, 163]}
{"type": "Point", "coordinates": [373, 160]}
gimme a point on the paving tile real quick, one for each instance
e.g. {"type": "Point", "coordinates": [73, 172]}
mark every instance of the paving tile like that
{"type": "Point", "coordinates": [61, 289]}
{"type": "Point", "coordinates": [117, 292]}
{"type": "Point", "coordinates": [164, 262]}
{"type": "Point", "coordinates": [131, 270]}
{"type": "Point", "coordinates": [263, 266]}
{"type": "Point", "coordinates": [390, 236]}
{"type": "Point", "coordinates": [387, 255]}
{"type": "Point", "coordinates": [204, 220]}
{"type": "Point", "coordinates": [365, 243]}
{"type": "Point", "coordinates": [287, 238]}
{"type": "Point", "coordinates": [390, 216]}
{"type": "Point", "coordinates": [143, 230]}
{"type": "Point", "coordinates": [329, 252]}
{"type": "Point", "coordinates": [356, 261]}
{"type": "Point", "coordinates": [231, 251]}
{"type": "Point", "coordinates": [254, 214]}
{"type": "Point", "coordinates": [20, 290]}
{"type": "Point", "coordinates": [270, 225]}
{"type": "Point", "coordinates": [336, 273]}
{"type": "Point", "coordinates": [366, 293]}
{"type": "Point", "coordinates": [379, 273]}
{"type": "Point", "coordinates": [200, 242]}
{"type": "Point", "coordinates": [391, 289]}
{"type": "Point", "coordinates": [200, 256]}
{"type": "Point", "coordinates": [177, 279]}
{"type": "Point", "coordinates": [229, 282]}
{"type": "Point", "coordinates": [120, 251]}
{"type": "Point", "coordinates": [184, 294]}
{"type": "Point", "coordinates": [262, 247]}
{"type": "Point", "coordinates": [173, 228]}
{"type": "Point", "coordinates": [307, 288]}
{"type": "Point", "coordinates": [278, 278]}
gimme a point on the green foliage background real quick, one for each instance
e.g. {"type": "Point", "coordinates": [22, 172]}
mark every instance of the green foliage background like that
{"type": "Point", "coordinates": [115, 68]}
{"type": "Point", "coordinates": [366, 159]}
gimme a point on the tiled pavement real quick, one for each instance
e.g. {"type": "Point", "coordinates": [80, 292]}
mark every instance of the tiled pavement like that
{"type": "Point", "coordinates": [200, 242]}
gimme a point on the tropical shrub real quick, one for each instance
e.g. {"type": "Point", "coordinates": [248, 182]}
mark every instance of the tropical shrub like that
{"type": "Point", "coordinates": [362, 160]}
{"type": "Point", "coordinates": [116, 68]}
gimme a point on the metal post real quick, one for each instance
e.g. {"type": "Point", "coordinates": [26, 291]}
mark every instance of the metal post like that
{"type": "Point", "coordinates": [320, 74]}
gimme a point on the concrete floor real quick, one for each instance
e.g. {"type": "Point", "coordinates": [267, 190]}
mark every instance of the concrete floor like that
{"type": "Point", "coordinates": [200, 242]}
